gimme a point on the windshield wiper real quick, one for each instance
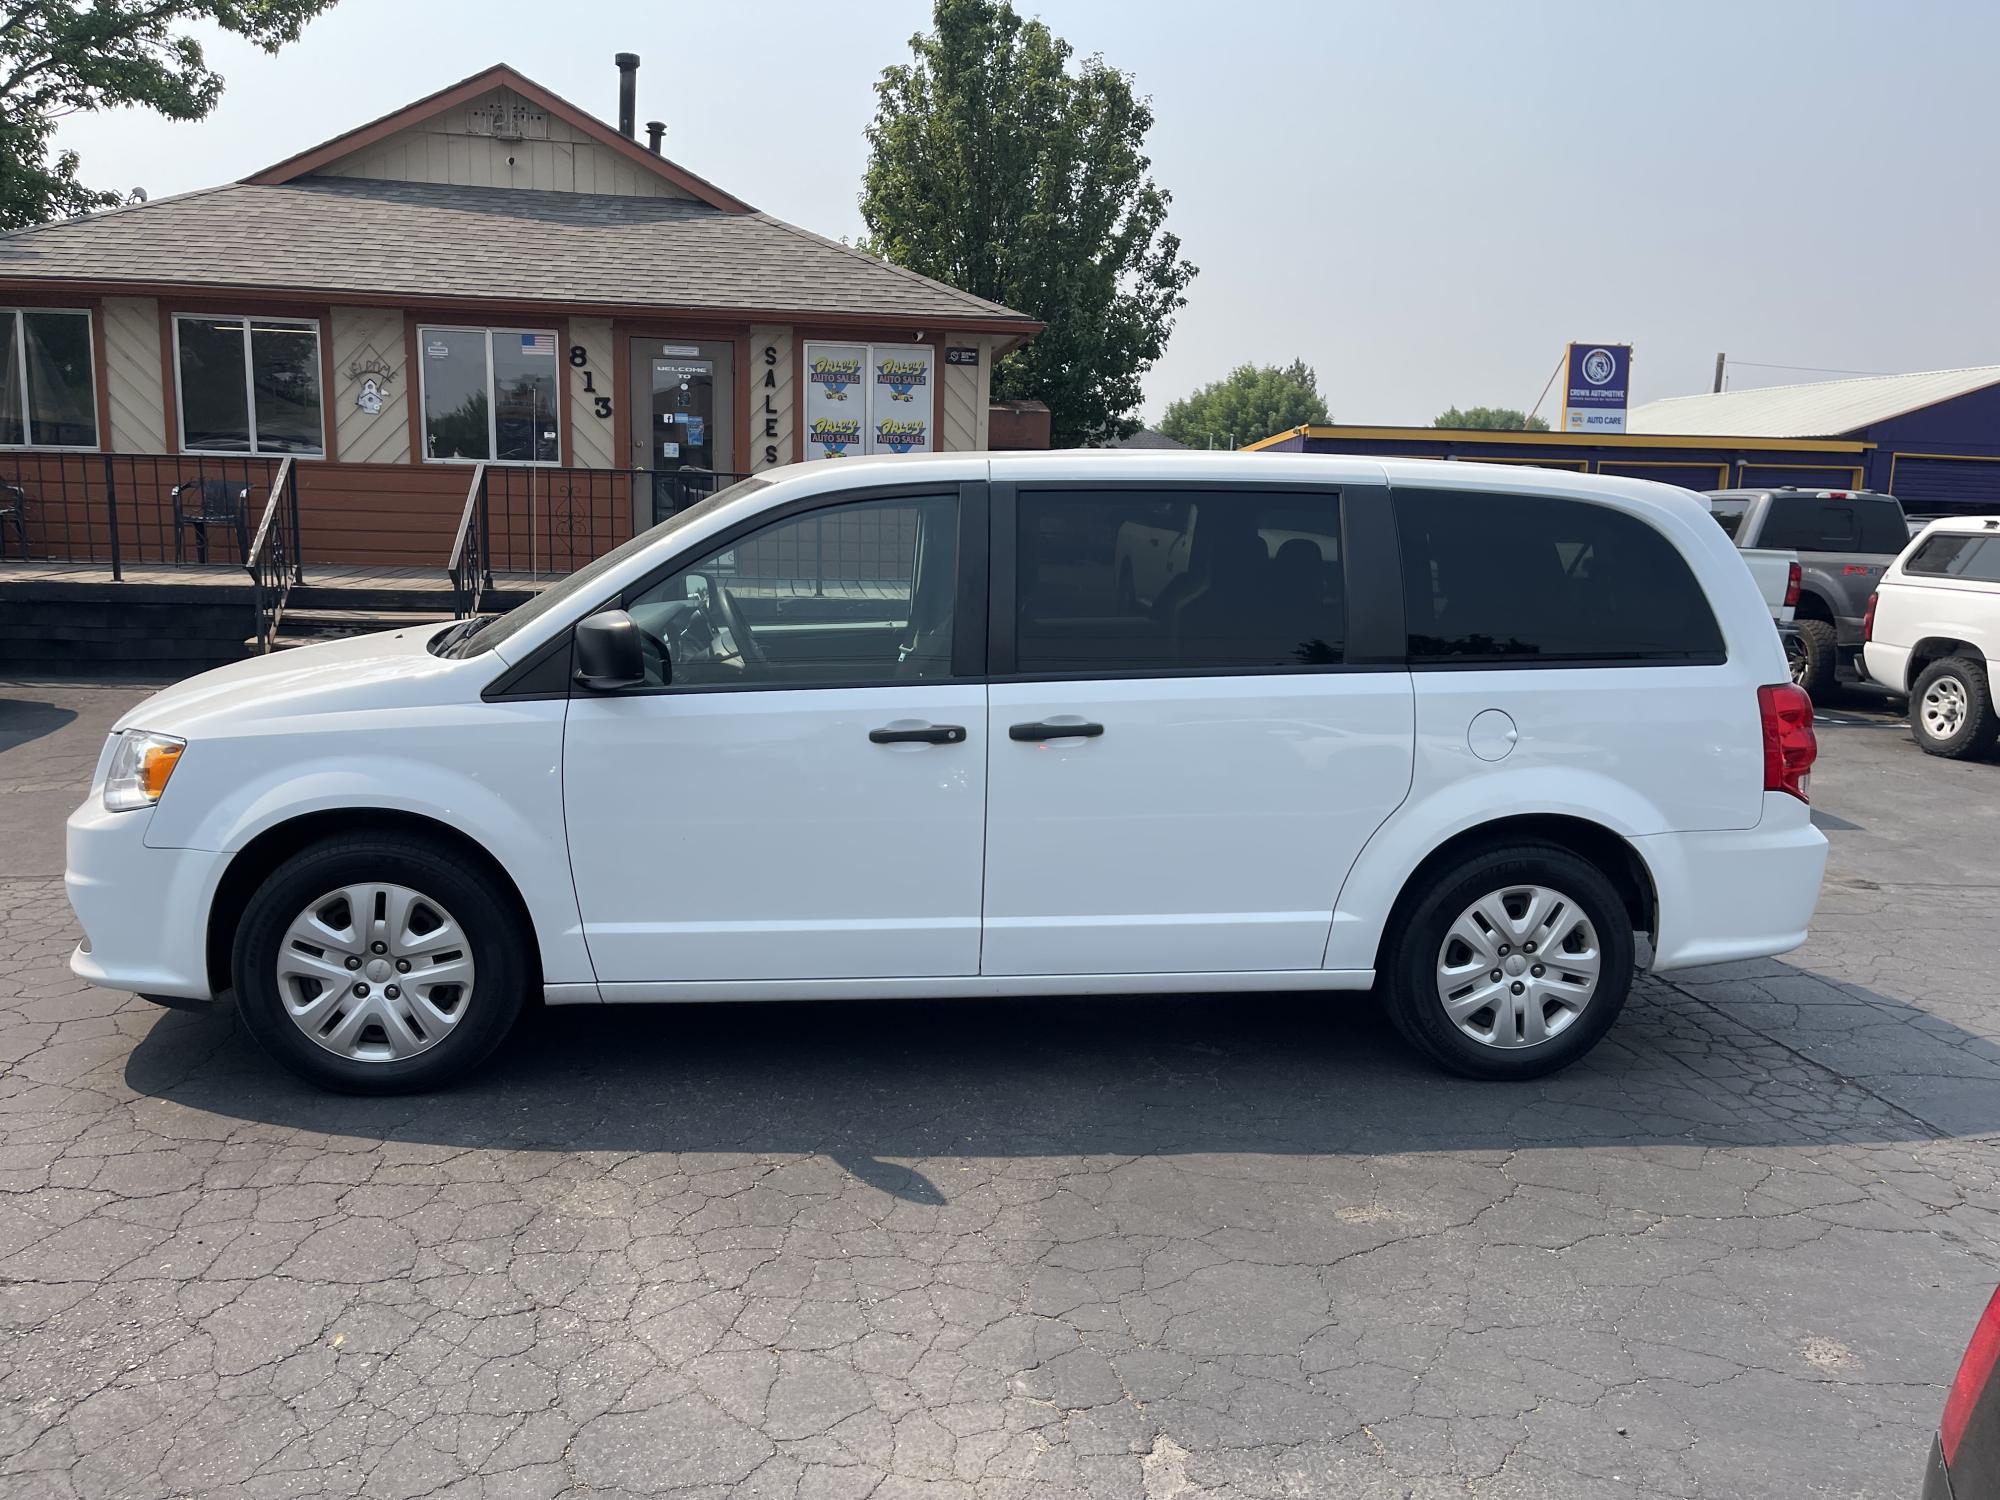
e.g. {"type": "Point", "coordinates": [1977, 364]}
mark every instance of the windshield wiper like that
{"type": "Point", "coordinates": [442, 645]}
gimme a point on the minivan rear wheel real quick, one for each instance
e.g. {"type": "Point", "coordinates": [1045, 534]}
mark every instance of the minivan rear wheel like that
{"type": "Point", "coordinates": [379, 964]}
{"type": "Point", "coordinates": [1513, 964]}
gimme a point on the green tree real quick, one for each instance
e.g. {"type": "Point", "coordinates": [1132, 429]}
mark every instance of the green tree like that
{"type": "Point", "coordinates": [996, 167]}
{"type": "Point", "coordinates": [62, 57]}
{"type": "Point", "coordinates": [1250, 402]}
{"type": "Point", "coordinates": [1490, 419]}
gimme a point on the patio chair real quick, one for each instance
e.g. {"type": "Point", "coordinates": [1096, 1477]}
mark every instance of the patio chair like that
{"type": "Point", "coordinates": [14, 512]}
{"type": "Point", "coordinates": [202, 503]}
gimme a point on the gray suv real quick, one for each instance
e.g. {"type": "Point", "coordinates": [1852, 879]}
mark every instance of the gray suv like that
{"type": "Point", "coordinates": [1844, 539]}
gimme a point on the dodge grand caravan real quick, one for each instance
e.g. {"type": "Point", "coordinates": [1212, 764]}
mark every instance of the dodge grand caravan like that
{"type": "Point", "coordinates": [892, 728]}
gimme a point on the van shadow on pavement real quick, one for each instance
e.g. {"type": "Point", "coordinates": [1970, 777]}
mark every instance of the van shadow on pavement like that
{"type": "Point", "coordinates": [896, 1091]}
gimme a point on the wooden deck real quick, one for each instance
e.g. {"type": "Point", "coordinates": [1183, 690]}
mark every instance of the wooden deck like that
{"type": "Point", "coordinates": [219, 580]}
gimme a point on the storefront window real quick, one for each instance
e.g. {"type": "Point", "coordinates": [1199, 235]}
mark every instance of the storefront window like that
{"type": "Point", "coordinates": [490, 393]}
{"type": "Point", "coordinates": [47, 395]}
{"type": "Point", "coordinates": [248, 385]}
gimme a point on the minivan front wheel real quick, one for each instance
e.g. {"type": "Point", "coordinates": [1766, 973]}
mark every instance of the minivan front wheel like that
{"type": "Point", "coordinates": [1513, 965]}
{"type": "Point", "coordinates": [378, 964]}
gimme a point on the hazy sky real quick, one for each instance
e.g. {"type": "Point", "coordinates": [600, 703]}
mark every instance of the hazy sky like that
{"type": "Point", "coordinates": [1423, 201]}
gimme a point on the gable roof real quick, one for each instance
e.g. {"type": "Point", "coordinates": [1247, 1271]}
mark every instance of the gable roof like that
{"type": "Point", "coordinates": [1825, 408]}
{"type": "Point", "coordinates": [307, 162]}
{"type": "Point", "coordinates": [413, 244]}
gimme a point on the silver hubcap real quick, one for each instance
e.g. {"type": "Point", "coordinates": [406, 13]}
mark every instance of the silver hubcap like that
{"type": "Point", "coordinates": [375, 973]}
{"type": "Point", "coordinates": [1518, 966]}
{"type": "Point", "coordinates": [1944, 707]}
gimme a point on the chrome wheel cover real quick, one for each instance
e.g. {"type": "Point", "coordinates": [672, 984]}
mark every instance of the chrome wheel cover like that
{"type": "Point", "coordinates": [1944, 708]}
{"type": "Point", "coordinates": [1518, 966]}
{"type": "Point", "coordinates": [375, 973]}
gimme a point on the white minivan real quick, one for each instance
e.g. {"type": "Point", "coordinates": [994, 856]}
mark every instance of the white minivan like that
{"type": "Point", "coordinates": [891, 727]}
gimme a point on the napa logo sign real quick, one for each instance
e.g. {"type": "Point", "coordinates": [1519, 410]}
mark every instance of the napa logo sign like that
{"type": "Point", "coordinates": [902, 377]}
{"type": "Point", "coordinates": [1594, 390]}
{"type": "Point", "coordinates": [901, 436]}
{"type": "Point", "coordinates": [834, 374]}
{"type": "Point", "coordinates": [835, 435]}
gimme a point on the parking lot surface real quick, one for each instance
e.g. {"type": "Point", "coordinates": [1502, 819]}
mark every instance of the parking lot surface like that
{"type": "Point", "coordinates": [1241, 1246]}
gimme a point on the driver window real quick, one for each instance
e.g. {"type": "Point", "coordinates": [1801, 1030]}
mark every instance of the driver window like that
{"type": "Point", "coordinates": [852, 595]}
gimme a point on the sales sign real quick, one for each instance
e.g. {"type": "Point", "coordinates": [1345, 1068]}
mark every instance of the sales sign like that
{"type": "Point", "coordinates": [1594, 387]}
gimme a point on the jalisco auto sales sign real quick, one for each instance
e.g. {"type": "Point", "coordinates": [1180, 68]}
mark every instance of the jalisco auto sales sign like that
{"type": "Point", "coordinates": [1594, 387]}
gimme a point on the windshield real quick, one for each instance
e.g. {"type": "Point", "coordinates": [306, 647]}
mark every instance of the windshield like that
{"type": "Point", "coordinates": [500, 627]}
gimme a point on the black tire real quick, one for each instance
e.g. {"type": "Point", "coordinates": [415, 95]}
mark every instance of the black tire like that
{"type": "Point", "coordinates": [1979, 725]}
{"type": "Point", "coordinates": [493, 932]}
{"type": "Point", "coordinates": [1409, 971]}
{"type": "Point", "coordinates": [1815, 665]}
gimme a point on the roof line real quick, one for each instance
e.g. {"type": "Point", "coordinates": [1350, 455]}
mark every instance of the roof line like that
{"type": "Point", "coordinates": [108, 213]}
{"type": "Point", "coordinates": [1555, 439]}
{"type": "Point", "coordinates": [889, 265]}
{"type": "Point", "coordinates": [1820, 385]}
{"type": "Point", "coordinates": [315, 157]}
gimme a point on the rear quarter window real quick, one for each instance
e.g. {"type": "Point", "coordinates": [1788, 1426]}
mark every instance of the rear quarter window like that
{"type": "Point", "coordinates": [1957, 554]}
{"type": "Point", "coordinates": [1535, 579]}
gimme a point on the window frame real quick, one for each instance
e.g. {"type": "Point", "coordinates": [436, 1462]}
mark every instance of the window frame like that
{"type": "Point", "coordinates": [249, 384]}
{"type": "Point", "coordinates": [422, 436]}
{"type": "Point", "coordinates": [17, 312]}
{"type": "Point", "coordinates": [1977, 544]}
{"type": "Point", "coordinates": [1565, 663]}
{"type": "Point", "coordinates": [1374, 625]}
{"type": "Point", "coordinates": [968, 621]}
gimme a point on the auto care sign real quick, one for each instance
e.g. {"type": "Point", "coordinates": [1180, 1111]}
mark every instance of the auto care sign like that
{"type": "Point", "coordinates": [1594, 387]}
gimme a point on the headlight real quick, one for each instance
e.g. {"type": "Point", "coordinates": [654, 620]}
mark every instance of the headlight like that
{"type": "Point", "coordinates": [139, 770]}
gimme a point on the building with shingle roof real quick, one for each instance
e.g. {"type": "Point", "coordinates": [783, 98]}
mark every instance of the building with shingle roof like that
{"type": "Point", "coordinates": [488, 275]}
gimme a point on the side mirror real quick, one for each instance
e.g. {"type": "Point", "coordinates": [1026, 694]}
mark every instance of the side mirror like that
{"type": "Point", "coordinates": [608, 657]}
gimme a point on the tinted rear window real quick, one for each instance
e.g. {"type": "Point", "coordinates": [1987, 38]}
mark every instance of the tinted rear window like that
{"type": "Point", "coordinates": [1728, 514]}
{"type": "Point", "coordinates": [1807, 523]}
{"type": "Point", "coordinates": [1957, 554]}
{"type": "Point", "coordinates": [1535, 579]}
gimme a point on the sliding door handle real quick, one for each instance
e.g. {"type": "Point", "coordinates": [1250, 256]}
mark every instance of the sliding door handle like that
{"type": "Point", "coordinates": [1075, 730]}
{"type": "Point", "coordinates": [918, 734]}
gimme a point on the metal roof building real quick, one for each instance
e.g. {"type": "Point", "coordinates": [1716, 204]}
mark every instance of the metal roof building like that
{"type": "Point", "coordinates": [1930, 438]}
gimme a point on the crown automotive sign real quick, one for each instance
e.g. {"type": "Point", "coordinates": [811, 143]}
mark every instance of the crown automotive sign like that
{"type": "Point", "coordinates": [1594, 387]}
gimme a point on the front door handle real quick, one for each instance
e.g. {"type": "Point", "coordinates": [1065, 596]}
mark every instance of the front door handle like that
{"type": "Point", "coordinates": [920, 734]}
{"type": "Point", "coordinates": [1058, 731]}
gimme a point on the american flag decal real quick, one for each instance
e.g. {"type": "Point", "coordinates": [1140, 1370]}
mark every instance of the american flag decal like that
{"type": "Point", "coordinates": [539, 343]}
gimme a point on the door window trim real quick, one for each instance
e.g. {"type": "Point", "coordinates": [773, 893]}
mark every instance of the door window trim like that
{"type": "Point", "coordinates": [1374, 625]}
{"type": "Point", "coordinates": [968, 624]}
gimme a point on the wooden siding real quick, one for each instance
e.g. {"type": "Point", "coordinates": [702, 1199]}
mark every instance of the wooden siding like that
{"type": "Point", "coordinates": [591, 436]}
{"type": "Point", "coordinates": [773, 396]}
{"type": "Point", "coordinates": [367, 334]}
{"type": "Point", "coordinates": [133, 375]}
{"type": "Point", "coordinates": [444, 149]}
{"type": "Point", "coordinates": [962, 399]}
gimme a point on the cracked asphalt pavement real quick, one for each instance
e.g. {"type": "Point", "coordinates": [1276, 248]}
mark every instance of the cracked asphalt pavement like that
{"type": "Point", "coordinates": [1231, 1246]}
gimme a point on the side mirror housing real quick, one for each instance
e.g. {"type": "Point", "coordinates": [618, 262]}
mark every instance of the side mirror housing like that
{"type": "Point", "coordinates": [608, 657]}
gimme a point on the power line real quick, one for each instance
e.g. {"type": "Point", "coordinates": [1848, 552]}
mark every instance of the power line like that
{"type": "Point", "coordinates": [1809, 369]}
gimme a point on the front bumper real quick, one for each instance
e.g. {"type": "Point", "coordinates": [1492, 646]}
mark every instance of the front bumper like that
{"type": "Point", "coordinates": [1736, 893]}
{"type": "Point", "coordinates": [144, 912]}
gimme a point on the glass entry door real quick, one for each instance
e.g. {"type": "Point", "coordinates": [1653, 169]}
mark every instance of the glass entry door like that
{"type": "Point", "coordinates": [684, 420]}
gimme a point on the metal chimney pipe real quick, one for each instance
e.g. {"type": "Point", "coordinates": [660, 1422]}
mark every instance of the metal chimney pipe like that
{"type": "Point", "coordinates": [654, 130]}
{"type": "Point", "coordinates": [628, 92]}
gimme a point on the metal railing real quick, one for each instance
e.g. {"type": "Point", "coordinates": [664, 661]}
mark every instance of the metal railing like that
{"type": "Point", "coordinates": [273, 555]}
{"type": "Point", "coordinates": [535, 523]}
{"type": "Point", "coordinates": [471, 573]}
{"type": "Point", "coordinates": [132, 509]}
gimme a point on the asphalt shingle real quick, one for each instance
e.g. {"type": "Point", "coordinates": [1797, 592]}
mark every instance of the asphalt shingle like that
{"type": "Point", "coordinates": [324, 235]}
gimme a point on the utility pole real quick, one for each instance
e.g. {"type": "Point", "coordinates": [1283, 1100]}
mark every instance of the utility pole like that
{"type": "Point", "coordinates": [1720, 361]}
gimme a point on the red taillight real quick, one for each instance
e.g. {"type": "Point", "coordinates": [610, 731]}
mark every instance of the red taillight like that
{"type": "Point", "coordinates": [1973, 1373]}
{"type": "Point", "coordinates": [1868, 620]}
{"type": "Point", "coordinates": [1790, 746]}
{"type": "Point", "coordinates": [1792, 586]}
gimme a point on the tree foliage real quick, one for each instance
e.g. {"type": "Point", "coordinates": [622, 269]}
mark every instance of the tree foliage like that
{"type": "Point", "coordinates": [62, 57]}
{"type": "Point", "coordinates": [1490, 419]}
{"type": "Point", "coordinates": [1250, 402]}
{"type": "Point", "coordinates": [996, 167]}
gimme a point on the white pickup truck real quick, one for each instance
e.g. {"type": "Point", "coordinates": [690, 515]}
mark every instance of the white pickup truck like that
{"type": "Point", "coordinates": [1778, 576]}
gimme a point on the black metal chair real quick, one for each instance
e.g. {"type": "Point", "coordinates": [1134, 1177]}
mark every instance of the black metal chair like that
{"type": "Point", "coordinates": [213, 502]}
{"type": "Point", "coordinates": [14, 511]}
